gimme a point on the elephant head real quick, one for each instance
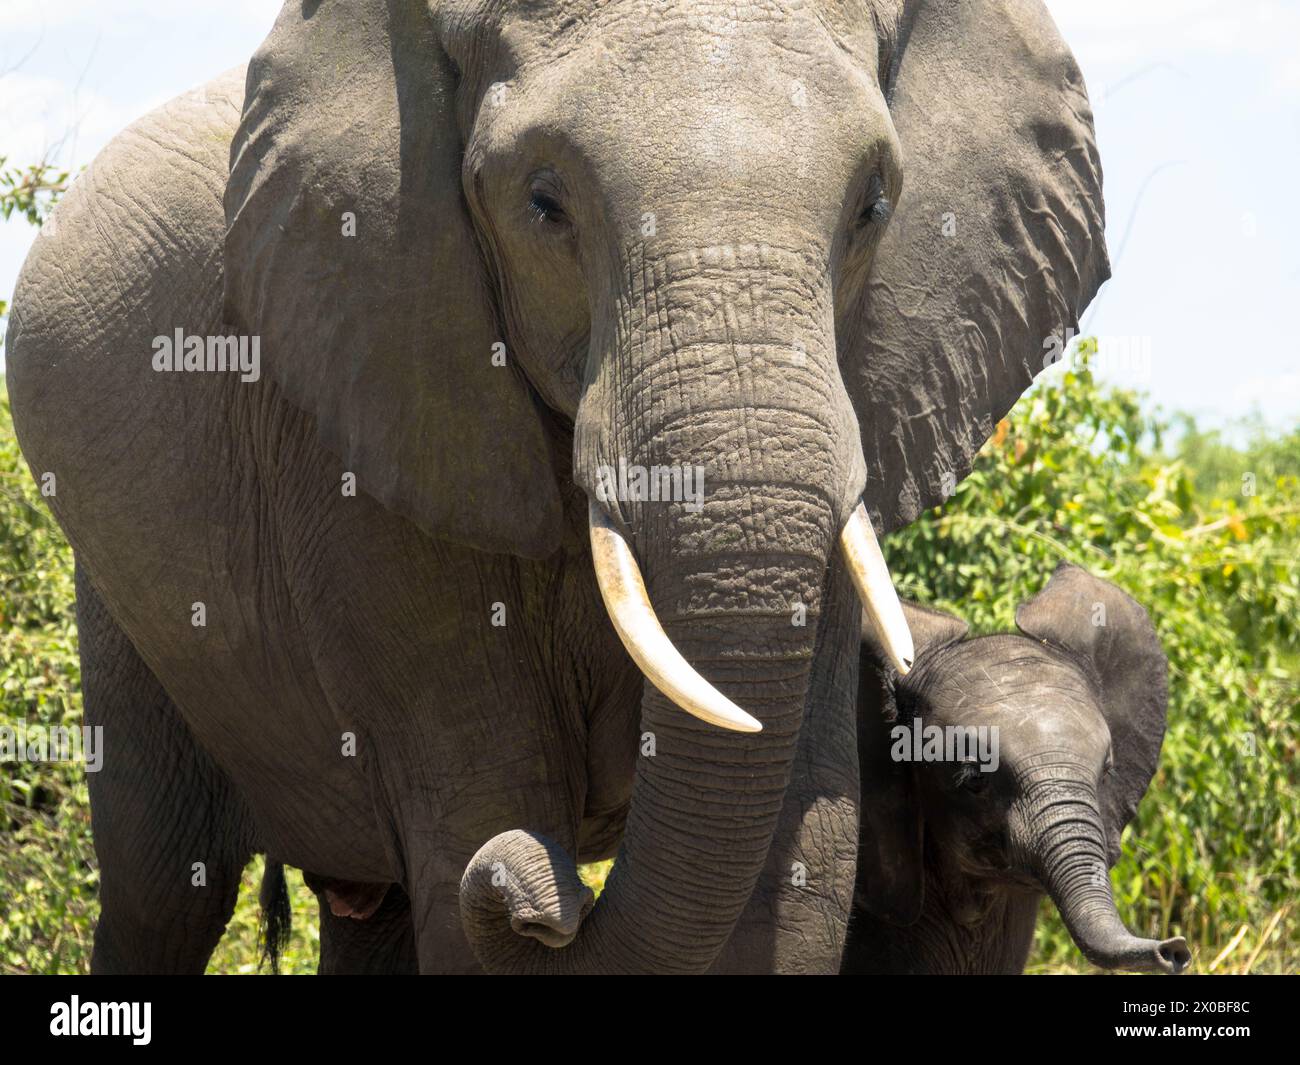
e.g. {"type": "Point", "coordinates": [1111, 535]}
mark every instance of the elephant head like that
{"type": "Point", "coordinates": [1062, 728]}
{"type": "Point", "coordinates": [504, 252]}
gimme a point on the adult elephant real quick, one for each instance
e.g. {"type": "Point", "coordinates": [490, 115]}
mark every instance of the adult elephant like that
{"type": "Point", "coordinates": [496, 256]}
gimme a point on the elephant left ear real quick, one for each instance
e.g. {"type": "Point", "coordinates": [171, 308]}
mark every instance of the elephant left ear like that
{"type": "Point", "coordinates": [351, 254]}
{"type": "Point", "coordinates": [1108, 628]}
{"type": "Point", "coordinates": [996, 243]}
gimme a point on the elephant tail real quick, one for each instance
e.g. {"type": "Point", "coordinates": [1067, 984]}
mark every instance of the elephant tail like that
{"type": "Point", "coordinates": [276, 918]}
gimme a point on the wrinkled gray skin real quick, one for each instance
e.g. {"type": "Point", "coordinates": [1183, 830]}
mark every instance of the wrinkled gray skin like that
{"type": "Point", "coordinates": [676, 219]}
{"type": "Point", "coordinates": [954, 862]}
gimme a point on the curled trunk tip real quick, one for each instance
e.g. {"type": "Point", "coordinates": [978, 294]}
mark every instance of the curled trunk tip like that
{"type": "Point", "coordinates": [1070, 850]}
{"type": "Point", "coordinates": [521, 886]}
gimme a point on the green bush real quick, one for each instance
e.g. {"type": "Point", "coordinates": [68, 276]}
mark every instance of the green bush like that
{"type": "Point", "coordinates": [47, 870]}
{"type": "Point", "coordinates": [1076, 472]}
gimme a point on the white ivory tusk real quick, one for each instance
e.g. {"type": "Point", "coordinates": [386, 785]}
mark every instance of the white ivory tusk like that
{"type": "Point", "coordinates": [884, 613]}
{"type": "Point", "coordinates": [634, 620]}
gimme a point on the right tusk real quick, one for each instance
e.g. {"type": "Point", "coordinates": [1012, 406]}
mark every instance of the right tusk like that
{"type": "Point", "coordinates": [637, 626]}
{"type": "Point", "coordinates": [883, 611]}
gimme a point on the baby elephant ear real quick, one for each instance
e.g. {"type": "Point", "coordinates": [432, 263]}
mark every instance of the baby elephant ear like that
{"type": "Point", "coordinates": [930, 629]}
{"type": "Point", "coordinates": [1109, 629]}
{"type": "Point", "coordinates": [995, 246]}
{"type": "Point", "coordinates": [891, 831]}
{"type": "Point", "coordinates": [891, 880]}
{"type": "Point", "coordinates": [351, 254]}
{"type": "Point", "coordinates": [933, 628]}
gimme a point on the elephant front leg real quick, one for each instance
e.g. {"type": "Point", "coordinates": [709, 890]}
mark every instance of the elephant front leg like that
{"type": "Point", "coordinates": [171, 836]}
{"type": "Point", "coordinates": [797, 917]}
{"type": "Point", "coordinates": [378, 939]}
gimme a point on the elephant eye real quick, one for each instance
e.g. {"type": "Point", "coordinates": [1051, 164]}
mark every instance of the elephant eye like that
{"type": "Point", "coordinates": [971, 779]}
{"type": "Point", "coordinates": [544, 205]}
{"type": "Point", "coordinates": [878, 206]}
{"type": "Point", "coordinates": [876, 213]}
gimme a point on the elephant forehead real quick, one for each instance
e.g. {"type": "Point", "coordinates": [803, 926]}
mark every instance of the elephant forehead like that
{"type": "Point", "coordinates": [695, 89]}
{"type": "Point", "coordinates": [559, 26]}
{"type": "Point", "coordinates": [1037, 697]}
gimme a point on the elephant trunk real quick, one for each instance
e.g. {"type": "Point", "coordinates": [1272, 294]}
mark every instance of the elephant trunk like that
{"type": "Point", "coordinates": [1067, 847]}
{"type": "Point", "coordinates": [735, 574]}
{"type": "Point", "coordinates": [705, 802]}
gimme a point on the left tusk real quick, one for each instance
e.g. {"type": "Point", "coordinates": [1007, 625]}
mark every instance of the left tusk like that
{"type": "Point", "coordinates": [628, 604]}
{"type": "Point", "coordinates": [883, 611]}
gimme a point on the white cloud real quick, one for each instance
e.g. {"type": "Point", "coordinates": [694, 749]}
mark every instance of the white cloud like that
{"type": "Point", "coordinates": [38, 14]}
{"type": "Point", "coordinates": [47, 118]}
{"type": "Point", "coordinates": [1285, 79]}
{"type": "Point", "coordinates": [1275, 392]}
{"type": "Point", "coordinates": [1263, 28]}
{"type": "Point", "coordinates": [1120, 41]}
{"type": "Point", "coordinates": [1168, 18]}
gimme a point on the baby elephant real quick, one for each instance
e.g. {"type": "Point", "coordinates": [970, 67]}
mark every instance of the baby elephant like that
{"type": "Point", "coordinates": [1002, 767]}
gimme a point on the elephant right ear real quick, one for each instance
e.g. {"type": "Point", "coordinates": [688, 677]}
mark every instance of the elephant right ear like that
{"type": "Point", "coordinates": [995, 247]}
{"type": "Point", "coordinates": [351, 254]}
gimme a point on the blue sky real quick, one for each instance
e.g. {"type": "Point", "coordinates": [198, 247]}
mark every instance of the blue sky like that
{"type": "Point", "coordinates": [1198, 118]}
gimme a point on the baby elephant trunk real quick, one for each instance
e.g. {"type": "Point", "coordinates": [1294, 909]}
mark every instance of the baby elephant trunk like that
{"type": "Point", "coordinates": [1067, 845]}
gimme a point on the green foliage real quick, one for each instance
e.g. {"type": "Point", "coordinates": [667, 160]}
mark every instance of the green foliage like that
{"type": "Point", "coordinates": [1217, 467]}
{"type": "Point", "coordinates": [48, 879]}
{"type": "Point", "coordinates": [239, 951]}
{"type": "Point", "coordinates": [1079, 473]}
{"type": "Point", "coordinates": [31, 192]}
{"type": "Point", "coordinates": [47, 871]}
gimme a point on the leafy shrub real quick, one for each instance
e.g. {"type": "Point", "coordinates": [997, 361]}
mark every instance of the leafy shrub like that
{"type": "Point", "coordinates": [48, 877]}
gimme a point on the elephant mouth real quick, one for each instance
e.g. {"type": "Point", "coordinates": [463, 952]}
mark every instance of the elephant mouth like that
{"type": "Point", "coordinates": [623, 590]}
{"type": "Point", "coordinates": [986, 862]}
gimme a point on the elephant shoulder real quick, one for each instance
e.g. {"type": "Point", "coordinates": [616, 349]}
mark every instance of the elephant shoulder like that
{"type": "Point", "coordinates": [133, 251]}
{"type": "Point", "coordinates": [135, 243]}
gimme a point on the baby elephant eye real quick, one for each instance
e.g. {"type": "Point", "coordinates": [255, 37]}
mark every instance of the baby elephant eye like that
{"type": "Point", "coordinates": [971, 780]}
